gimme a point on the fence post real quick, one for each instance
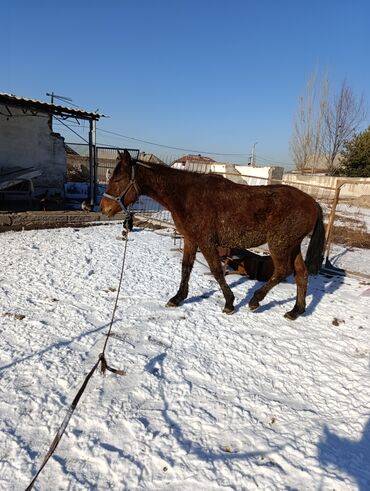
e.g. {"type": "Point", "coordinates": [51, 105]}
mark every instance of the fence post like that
{"type": "Point", "coordinates": [92, 160]}
{"type": "Point", "coordinates": [329, 229]}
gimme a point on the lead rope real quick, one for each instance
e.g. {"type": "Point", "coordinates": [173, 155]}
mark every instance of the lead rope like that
{"type": "Point", "coordinates": [104, 366]}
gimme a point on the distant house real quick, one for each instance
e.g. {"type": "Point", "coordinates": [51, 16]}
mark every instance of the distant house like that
{"type": "Point", "coordinates": [27, 141]}
{"type": "Point", "coordinates": [240, 174]}
{"type": "Point", "coordinates": [150, 157]}
{"type": "Point", "coordinates": [194, 163]}
{"type": "Point", "coordinates": [194, 159]}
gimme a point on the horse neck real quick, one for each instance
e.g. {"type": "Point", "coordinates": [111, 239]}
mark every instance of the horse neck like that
{"type": "Point", "coordinates": [162, 184]}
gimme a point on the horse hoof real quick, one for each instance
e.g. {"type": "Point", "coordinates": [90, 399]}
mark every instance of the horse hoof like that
{"type": "Point", "coordinates": [292, 314]}
{"type": "Point", "coordinates": [253, 305]}
{"type": "Point", "coordinates": [171, 304]}
{"type": "Point", "coordinates": [228, 310]}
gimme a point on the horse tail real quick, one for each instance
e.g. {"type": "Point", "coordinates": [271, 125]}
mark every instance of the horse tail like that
{"type": "Point", "coordinates": [315, 251]}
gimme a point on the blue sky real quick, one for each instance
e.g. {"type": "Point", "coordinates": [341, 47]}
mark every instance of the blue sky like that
{"type": "Point", "coordinates": [213, 76]}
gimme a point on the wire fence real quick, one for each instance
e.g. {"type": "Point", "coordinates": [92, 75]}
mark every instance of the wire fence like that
{"type": "Point", "coordinates": [345, 203]}
{"type": "Point", "coordinates": [346, 214]}
{"type": "Point", "coordinates": [150, 209]}
{"type": "Point", "coordinates": [346, 206]}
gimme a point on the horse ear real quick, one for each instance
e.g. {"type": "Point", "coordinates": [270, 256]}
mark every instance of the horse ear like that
{"type": "Point", "coordinates": [126, 155]}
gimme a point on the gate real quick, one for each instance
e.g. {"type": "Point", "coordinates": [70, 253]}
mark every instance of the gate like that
{"type": "Point", "coordinates": [106, 160]}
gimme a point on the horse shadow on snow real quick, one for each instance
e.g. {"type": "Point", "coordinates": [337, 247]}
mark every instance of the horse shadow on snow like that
{"type": "Point", "coordinates": [318, 286]}
{"type": "Point", "coordinates": [351, 457]}
{"type": "Point", "coordinates": [155, 367]}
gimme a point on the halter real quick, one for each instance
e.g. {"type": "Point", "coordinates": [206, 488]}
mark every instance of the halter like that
{"type": "Point", "coordinates": [119, 199]}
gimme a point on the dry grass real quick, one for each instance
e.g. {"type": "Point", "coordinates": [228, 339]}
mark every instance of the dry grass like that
{"type": "Point", "coordinates": [349, 230]}
{"type": "Point", "coordinates": [351, 237]}
{"type": "Point", "coordinates": [354, 222]}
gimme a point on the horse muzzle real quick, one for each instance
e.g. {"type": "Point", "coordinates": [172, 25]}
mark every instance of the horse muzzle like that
{"type": "Point", "coordinates": [109, 207]}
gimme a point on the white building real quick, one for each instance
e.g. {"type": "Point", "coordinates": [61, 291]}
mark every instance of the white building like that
{"type": "Point", "coordinates": [242, 174]}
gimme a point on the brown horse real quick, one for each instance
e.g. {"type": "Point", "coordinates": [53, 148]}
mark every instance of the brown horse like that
{"type": "Point", "coordinates": [211, 211]}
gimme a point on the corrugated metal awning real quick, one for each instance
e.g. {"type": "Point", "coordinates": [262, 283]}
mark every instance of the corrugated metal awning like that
{"type": "Point", "coordinates": [46, 107]}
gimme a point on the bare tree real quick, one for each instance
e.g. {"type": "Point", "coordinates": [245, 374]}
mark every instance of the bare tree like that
{"type": "Point", "coordinates": [322, 102]}
{"type": "Point", "coordinates": [342, 118]}
{"type": "Point", "coordinates": [300, 144]}
{"type": "Point", "coordinates": [305, 144]}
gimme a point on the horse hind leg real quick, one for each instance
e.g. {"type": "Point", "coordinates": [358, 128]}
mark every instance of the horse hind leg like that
{"type": "Point", "coordinates": [188, 258]}
{"type": "Point", "coordinates": [301, 277]}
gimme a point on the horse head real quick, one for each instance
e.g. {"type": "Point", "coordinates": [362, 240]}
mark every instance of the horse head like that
{"type": "Point", "coordinates": [122, 189]}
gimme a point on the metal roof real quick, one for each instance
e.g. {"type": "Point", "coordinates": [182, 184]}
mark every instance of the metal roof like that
{"type": "Point", "coordinates": [195, 158]}
{"type": "Point", "coordinates": [36, 105]}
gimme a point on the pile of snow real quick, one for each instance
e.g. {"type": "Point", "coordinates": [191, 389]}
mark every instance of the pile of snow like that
{"type": "Point", "coordinates": [210, 401]}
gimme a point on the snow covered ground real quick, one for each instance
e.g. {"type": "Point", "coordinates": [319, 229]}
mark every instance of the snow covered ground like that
{"type": "Point", "coordinates": [210, 401]}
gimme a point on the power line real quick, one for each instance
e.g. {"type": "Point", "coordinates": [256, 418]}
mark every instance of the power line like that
{"type": "Point", "coordinates": [274, 161]}
{"type": "Point", "coordinates": [173, 148]}
{"type": "Point", "coordinates": [70, 129]}
{"type": "Point", "coordinates": [259, 157]}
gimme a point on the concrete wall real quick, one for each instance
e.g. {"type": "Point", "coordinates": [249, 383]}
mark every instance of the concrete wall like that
{"type": "Point", "coordinates": [260, 175]}
{"type": "Point", "coordinates": [26, 140]}
{"type": "Point", "coordinates": [242, 174]}
{"type": "Point", "coordinates": [228, 171]}
{"type": "Point", "coordinates": [325, 185]}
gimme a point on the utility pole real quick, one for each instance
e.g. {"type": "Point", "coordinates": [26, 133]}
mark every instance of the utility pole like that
{"type": "Point", "coordinates": [53, 96]}
{"type": "Point", "coordinates": [253, 158]}
{"type": "Point", "coordinates": [92, 161]}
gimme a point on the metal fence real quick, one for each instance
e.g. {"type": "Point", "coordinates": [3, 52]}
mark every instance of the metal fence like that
{"type": "Point", "coordinates": [106, 160]}
{"type": "Point", "coordinates": [347, 219]}
{"type": "Point", "coordinates": [346, 211]}
{"type": "Point", "coordinates": [150, 209]}
{"type": "Point", "coordinates": [78, 178]}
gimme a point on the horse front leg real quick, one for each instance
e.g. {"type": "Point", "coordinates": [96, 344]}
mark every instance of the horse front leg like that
{"type": "Point", "coordinates": [214, 262]}
{"type": "Point", "coordinates": [188, 258]}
